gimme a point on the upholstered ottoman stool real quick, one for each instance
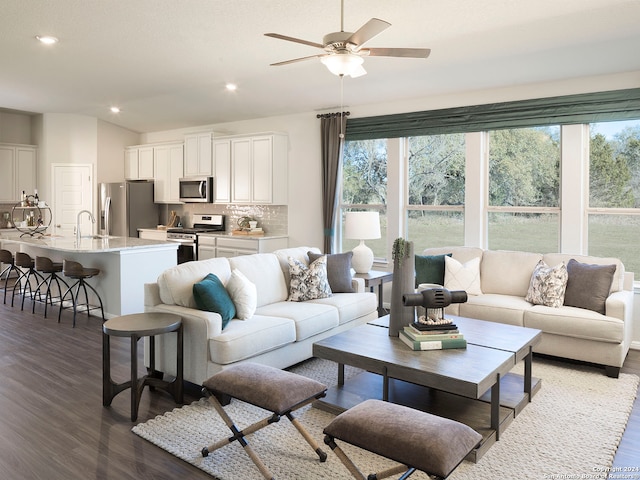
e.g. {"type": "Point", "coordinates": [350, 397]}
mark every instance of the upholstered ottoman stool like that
{"type": "Point", "coordinates": [415, 439]}
{"type": "Point", "coordinates": [275, 390]}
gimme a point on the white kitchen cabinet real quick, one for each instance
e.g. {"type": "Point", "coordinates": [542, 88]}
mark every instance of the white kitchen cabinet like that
{"type": "Point", "coordinates": [211, 246]}
{"type": "Point", "coordinates": [222, 171]}
{"type": "Point", "coordinates": [259, 168]}
{"type": "Point", "coordinates": [151, 234]}
{"type": "Point", "coordinates": [206, 247]}
{"type": "Point", "coordinates": [198, 155]}
{"type": "Point", "coordinates": [18, 167]}
{"type": "Point", "coordinates": [168, 164]}
{"type": "Point", "coordinates": [138, 163]}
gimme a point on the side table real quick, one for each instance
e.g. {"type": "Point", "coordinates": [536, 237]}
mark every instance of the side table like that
{"type": "Point", "coordinates": [136, 326]}
{"type": "Point", "coordinates": [375, 278]}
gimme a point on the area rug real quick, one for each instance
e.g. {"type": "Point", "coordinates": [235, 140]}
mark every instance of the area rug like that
{"type": "Point", "coordinates": [571, 430]}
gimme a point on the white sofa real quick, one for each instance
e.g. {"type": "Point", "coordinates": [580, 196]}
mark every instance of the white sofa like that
{"type": "Point", "coordinates": [567, 331]}
{"type": "Point", "coordinates": [280, 333]}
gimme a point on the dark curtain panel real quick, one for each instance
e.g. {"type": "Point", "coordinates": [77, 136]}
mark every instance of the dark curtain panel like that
{"type": "Point", "coordinates": [332, 127]}
{"type": "Point", "coordinates": [580, 108]}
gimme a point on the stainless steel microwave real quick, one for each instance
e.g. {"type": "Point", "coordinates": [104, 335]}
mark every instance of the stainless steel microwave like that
{"type": "Point", "coordinates": [196, 190]}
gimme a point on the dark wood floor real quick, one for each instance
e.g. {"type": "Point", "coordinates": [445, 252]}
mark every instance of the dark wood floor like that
{"type": "Point", "coordinates": [52, 422]}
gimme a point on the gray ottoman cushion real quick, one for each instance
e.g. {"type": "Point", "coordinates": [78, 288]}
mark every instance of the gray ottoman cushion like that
{"type": "Point", "coordinates": [429, 443]}
{"type": "Point", "coordinates": [266, 387]}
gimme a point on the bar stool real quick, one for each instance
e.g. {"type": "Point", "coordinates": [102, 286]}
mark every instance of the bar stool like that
{"type": "Point", "coordinates": [45, 265]}
{"type": "Point", "coordinates": [76, 271]}
{"type": "Point", "coordinates": [6, 257]}
{"type": "Point", "coordinates": [27, 266]}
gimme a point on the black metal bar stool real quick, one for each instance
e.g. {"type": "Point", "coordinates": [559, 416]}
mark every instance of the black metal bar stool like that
{"type": "Point", "coordinates": [45, 265]}
{"type": "Point", "coordinates": [27, 266]}
{"type": "Point", "coordinates": [6, 258]}
{"type": "Point", "coordinates": [76, 271]}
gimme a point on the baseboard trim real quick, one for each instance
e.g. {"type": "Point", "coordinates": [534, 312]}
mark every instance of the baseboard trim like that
{"type": "Point", "coordinates": [635, 345]}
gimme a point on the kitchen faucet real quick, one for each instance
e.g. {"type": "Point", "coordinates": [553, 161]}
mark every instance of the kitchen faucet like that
{"type": "Point", "coordinates": [93, 220]}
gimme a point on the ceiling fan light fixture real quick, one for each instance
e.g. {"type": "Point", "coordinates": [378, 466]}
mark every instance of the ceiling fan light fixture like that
{"type": "Point", "coordinates": [343, 63]}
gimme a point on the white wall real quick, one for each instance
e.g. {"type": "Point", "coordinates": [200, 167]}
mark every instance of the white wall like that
{"type": "Point", "coordinates": [112, 140]}
{"type": "Point", "coordinates": [15, 128]}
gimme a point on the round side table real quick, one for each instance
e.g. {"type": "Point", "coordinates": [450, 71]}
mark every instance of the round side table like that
{"type": "Point", "coordinates": [136, 326]}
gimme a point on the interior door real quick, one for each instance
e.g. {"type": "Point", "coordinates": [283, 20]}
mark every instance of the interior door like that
{"type": "Point", "coordinates": [72, 192]}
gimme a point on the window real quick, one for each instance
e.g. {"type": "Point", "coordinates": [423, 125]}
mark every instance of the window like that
{"type": "Point", "coordinates": [524, 188]}
{"type": "Point", "coordinates": [435, 187]}
{"type": "Point", "coordinates": [364, 187]}
{"type": "Point", "coordinates": [614, 191]}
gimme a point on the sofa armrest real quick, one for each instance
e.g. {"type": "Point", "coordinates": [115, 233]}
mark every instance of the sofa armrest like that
{"type": "Point", "coordinates": [151, 295]}
{"type": "Point", "coordinates": [358, 285]}
{"type": "Point", "coordinates": [620, 305]}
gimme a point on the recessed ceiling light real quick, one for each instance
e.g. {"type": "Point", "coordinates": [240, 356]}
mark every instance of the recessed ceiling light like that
{"type": "Point", "coordinates": [115, 110]}
{"type": "Point", "coordinates": [232, 87]}
{"type": "Point", "coordinates": [47, 39]}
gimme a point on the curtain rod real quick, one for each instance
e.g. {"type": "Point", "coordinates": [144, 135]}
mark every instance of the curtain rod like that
{"type": "Point", "coordinates": [329, 115]}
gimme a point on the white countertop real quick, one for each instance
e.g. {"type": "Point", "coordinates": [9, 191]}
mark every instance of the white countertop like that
{"type": "Point", "coordinates": [93, 244]}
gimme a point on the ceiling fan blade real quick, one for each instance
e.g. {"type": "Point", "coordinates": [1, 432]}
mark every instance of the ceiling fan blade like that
{"type": "Point", "coordinates": [366, 32]}
{"type": "Point", "coordinates": [292, 39]}
{"type": "Point", "coordinates": [396, 52]}
{"type": "Point", "coordinates": [294, 60]}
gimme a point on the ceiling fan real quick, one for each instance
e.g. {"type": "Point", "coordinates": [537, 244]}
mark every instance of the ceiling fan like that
{"type": "Point", "coordinates": [344, 52]}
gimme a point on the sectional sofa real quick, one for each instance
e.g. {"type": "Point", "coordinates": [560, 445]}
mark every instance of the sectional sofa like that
{"type": "Point", "coordinates": [279, 333]}
{"type": "Point", "coordinates": [503, 281]}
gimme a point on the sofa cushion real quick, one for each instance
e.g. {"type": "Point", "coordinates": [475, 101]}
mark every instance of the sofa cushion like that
{"type": "Point", "coordinates": [244, 339]}
{"type": "Point", "coordinates": [243, 293]}
{"type": "Point", "coordinates": [575, 322]}
{"type": "Point", "coordinates": [548, 285]}
{"type": "Point", "coordinates": [458, 276]}
{"type": "Point", "coordinates": [309, 318]}
{"type": "Point", "coordinates": [263, 270]}
{"type": "Point", "coordinates": [211, 296]}
{"type": "Point", "coordinates": [493, 307]}
{"type": "Point", "coordinates": [507, 272]}
{"type": "Point", "coordinates": [430, 269]}
{"type": "Point", "coordinates": [175, 284]}
{"type": "Point", "coordinates": [588, 285]}
{"type": "Point", "coordinates": [299, 253]}
{"type": "Point", "coordinates": [338, 270]}
{"type": "Point", "coordinates": [308, 282]}
{"type": "Point", "coordinates": [350, 306]}
{"type": "Point", "coordinates": [617, 282]}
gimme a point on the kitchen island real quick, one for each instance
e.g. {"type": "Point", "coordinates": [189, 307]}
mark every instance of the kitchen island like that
{"type": "Point", "coordinates": [125, 263]}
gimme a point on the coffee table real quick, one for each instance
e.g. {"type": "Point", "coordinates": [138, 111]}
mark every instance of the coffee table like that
{"type": "Point", "coordinates": [462, 384]}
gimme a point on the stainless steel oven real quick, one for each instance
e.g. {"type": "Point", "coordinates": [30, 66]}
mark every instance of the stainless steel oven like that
{"type": "Point", "coordinates": [188, 237]}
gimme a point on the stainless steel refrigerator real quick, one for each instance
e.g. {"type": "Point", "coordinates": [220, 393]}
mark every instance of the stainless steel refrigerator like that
{"type": "Point", "coordinates": [127, 206]}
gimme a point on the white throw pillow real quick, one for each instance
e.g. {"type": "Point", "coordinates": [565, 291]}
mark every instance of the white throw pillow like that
{"type": "Point", "coordinates": [462, 277]}
{"type": "Point", "coordinates": [243, 293]}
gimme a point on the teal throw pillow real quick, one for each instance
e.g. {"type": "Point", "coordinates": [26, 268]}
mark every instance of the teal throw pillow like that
{"type": "Point", "coordinates": [210, 295]}
{"type": "Point", "coordinates": [430, 269]}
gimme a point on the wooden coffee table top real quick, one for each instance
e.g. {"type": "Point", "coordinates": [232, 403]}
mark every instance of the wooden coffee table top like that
{"type": "Point", "coordinates": [469, 372]}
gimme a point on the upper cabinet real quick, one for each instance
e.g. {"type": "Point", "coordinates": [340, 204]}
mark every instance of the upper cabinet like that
{"type": "Point", "coordinates": [258, 168]}
{"type": "Point", "coordinates": [198, 155]}
{"type": "Point", "coordinates": [168, 163]}
{"type": "Point", "coordinates": [222, 171]}
{"type": "Point", "coordinates": [138, 163]}
{"type": "Point", "coordinates": [18, 167]}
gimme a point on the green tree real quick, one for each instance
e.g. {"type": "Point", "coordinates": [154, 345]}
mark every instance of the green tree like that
{"type": "Point", "coordinates": [627, 149]}
{"type": "Point", "coordinates": [364, 172]}
{"type": "Point", "coordinates": [524, 167]}
{"type": "Point", "coordinates": [609, 175]}
{"type": "Point", "coordinates": [436, 169]}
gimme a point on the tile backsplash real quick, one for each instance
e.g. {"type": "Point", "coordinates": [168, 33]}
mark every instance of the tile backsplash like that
{"type": "Point", "coordinates": [272, 218]}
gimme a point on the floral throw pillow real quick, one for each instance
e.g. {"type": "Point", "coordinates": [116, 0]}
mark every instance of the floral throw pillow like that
{"type": "Point", "coordinates": [308, 282]}
{"type": "Point", "coordinates": [548, 285]}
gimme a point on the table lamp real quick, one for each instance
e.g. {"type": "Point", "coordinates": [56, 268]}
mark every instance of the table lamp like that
{"type": "Point", "coordinates": [362, 226]}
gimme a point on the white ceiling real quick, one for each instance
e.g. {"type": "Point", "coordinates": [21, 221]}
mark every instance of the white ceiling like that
{"type": "Point", "coordinates": [165, 62]}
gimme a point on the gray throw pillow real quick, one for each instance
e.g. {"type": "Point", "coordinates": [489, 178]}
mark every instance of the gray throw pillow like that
{"type": "Point", "coordinates": [588, 285]}
{"type": "Point", "coordinates": [338, 270]}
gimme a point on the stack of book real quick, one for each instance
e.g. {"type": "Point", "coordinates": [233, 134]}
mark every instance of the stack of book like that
{"type": "Point", "coordinates": [420, 336]}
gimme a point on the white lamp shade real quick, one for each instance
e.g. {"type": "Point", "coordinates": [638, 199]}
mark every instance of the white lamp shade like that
{"type": "Point", "coordinates": [362, 225]}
